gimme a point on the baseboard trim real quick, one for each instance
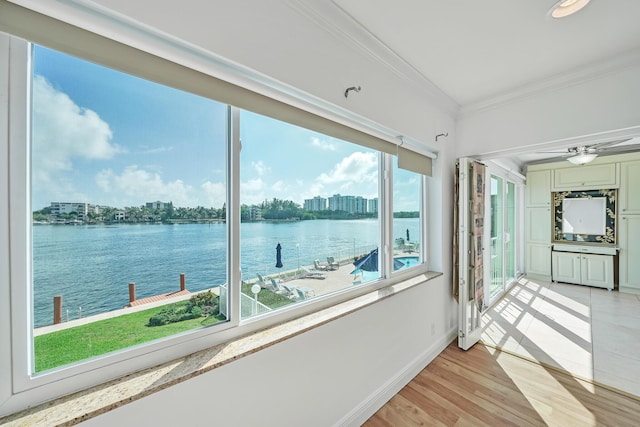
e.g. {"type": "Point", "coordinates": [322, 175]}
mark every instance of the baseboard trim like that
{"type": "Point", "coordinates": [370, 405]}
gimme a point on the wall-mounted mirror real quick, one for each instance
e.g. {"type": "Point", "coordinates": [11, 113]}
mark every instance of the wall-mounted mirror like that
{"type": "Point", "coordinates": [585, 216]}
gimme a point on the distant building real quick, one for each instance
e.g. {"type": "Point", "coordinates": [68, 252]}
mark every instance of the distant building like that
{"type": "Point", "coordinates": [351, 204]}
{"type": "Point", "coordinates": [119, 216]}
{"type": "Point", "coordinates": [373, 206]}
{"type": "Point", "coordinates": [255, 213]}
{"type": "Point", "coordinates": [157, 205]}
{"type": "Point", "coordinates": [81, 210]}
{"type": "Point", "coordinates": [316, 204]}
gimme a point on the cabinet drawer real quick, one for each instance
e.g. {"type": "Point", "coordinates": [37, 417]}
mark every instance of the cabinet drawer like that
{"type": "Point", "coordinates": [586, 177]}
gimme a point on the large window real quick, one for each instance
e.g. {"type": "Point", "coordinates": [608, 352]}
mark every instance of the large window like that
{"type": "Point", "coordinates": [407, 217]}
{"type": "Point", "coordinates": [309, 214]}
{"type": "Point", "coordinates": [128, 193]}
{"type": "Point", "coordinates": [158, 220]}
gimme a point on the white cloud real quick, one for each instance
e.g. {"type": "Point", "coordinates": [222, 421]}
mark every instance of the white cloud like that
{"type": "Point", "coordinates": [63, 130]}
{"type": "Point", "coordinates": [260, 167]}
{"type": "Point", "coordinates": [215, 194]}
{"type": "Point", "coordinates": [323, 145]}
{"type": "Point", "coordinates": [279, 187]}
{"type": "Point", "coordinates": [138, 184]}
{"type": "Point", "coordinates": [358, 168]}
{"type": "Point", "coordinates": [252, 191]}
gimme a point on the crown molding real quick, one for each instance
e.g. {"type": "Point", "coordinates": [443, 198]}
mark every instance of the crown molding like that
{"type": "Point", "coordinates": [557, 82]}
{"type": "Point", "coordinates": [333, 19]}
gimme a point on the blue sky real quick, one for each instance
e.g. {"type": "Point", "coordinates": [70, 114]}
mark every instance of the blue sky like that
{"type": "Point", "coordinates": [104, 137]}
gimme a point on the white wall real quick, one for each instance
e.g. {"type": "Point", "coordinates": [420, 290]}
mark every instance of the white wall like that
{"type": "Point", "coordinates": [334, 373]}
{"type": "Point", "coordinates": [319, 378]}
{"type": "Point", "coordinates": [607, 102]}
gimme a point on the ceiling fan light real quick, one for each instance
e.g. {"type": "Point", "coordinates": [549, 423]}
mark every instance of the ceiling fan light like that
{"type": "Point", "coordinates": [582, 158]}
{"type": "Point", "coordinates": [567, 7]}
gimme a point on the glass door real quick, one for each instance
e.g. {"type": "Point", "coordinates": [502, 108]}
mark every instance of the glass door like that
{"type": "Point", "coordinates": [498, 241]}
{"type": "Point", "coordinates": [502, 237]}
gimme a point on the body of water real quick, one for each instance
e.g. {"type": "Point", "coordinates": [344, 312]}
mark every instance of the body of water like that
{"type": "Point", "coordinates": [91, 266]}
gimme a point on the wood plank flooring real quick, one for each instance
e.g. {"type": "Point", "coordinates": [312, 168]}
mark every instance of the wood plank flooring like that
{"type": "Point", "coordinates": [486, 387]}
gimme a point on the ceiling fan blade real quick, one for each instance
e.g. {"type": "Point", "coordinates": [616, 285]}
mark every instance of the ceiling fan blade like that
{"type": "Point", "coordinates": [603, 145]}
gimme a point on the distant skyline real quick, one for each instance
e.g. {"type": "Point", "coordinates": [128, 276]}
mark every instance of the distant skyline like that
{"type": "Point", "coordinates": [106, 138]}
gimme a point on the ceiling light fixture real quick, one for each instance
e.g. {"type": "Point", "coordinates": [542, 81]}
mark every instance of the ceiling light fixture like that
{"type": "Point", "coordinates": [567, 7]}
{"type": "Point", "coordinates": [582, 158]}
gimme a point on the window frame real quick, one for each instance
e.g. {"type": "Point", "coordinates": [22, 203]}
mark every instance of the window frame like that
{"type": "Point", "coordinates": [16, 332]}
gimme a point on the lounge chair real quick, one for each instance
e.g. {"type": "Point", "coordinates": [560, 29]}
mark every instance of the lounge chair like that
{"type": "Point", "coordinates": [318, 266]}
{"type": "Point", "coordinates": [275, 287]}
{"type": "Point", "coordinates": [291, 292]}
{"type": "Point", "coordinates": [301, 294]}
{"type": "Point", "coordinates": [308, 274]}
{"type": "Point", "coordinates": [332, 264]}
{"type": "Point", "coordinates": [262, 282]}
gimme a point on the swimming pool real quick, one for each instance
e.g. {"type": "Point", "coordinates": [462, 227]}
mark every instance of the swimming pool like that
{"type": "Point", "coordinates": [408, 261]}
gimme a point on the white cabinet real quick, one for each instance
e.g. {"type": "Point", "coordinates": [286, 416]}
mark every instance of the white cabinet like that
{"type": "Point", "coordinates": [593, 177]}
{"type": "Point", "coordinates": [538, 225]}
{"type": "Point", "coordinates": [629, 237]}
{"type": "Point", "coordinates": [538, 260]}
{"type": "Point", "coordinates": [538, 190]}
{"type": "Point", "coordinates": [538, 243]}
{"type": "Point", "coordinates": [566, 267]}
{"type": "Point", "coordinates": [629, 188]}
{"type": "Point", "coordinates": [583, 268]}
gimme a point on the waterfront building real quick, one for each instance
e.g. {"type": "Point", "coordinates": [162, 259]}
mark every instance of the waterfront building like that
{"type": "Point", "coordinates": [80, 209]}
{"type": "Point", "coordinates": [351, 204]}
{"type": "Point", "coordinates": [316, 204]}
{"type": "Point", "coordinates": [157, 205]}
{"type": "Point", "coordinates": [372, 206]}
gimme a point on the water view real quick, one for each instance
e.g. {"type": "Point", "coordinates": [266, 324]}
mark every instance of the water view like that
{"type": "Point", "coordinates": [91, 266]}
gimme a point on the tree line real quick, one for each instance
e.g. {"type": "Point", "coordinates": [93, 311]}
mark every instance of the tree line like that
{"type": "Point", "coordinates": [270, 210]}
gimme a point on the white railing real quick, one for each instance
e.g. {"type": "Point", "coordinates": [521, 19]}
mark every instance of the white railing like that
{"type": "Point", "coordinates": [248, 306]}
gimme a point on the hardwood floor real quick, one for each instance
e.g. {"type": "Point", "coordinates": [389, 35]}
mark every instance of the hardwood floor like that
{"type": "Point", "coordinates": [486, 387]}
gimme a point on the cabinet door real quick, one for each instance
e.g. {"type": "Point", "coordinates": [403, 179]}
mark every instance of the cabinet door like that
{"type": "Point", "coordinates": [630, 187]}
{"type": "Point", "coordinates": [538, 260]}
{"type": "Point", "coordinates": [538, 225]}
{"type": "Point", "coordinates": [565, 267]}
{"type": "Point", "coordinates": [597, 270]}
{"type": "Point", "coordinates": [629, 229]}
{"type": "Point", "coordinates": [586, 177]}
{"type": "Point", "coordinates": [538, 189]}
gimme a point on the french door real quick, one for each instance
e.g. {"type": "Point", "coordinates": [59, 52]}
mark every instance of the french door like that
{"type": "Point", "coordinates": [503, 236]}
{"type": "Point", "coordinates": [469, 249]}
{"type": "Point", "coordinates": [485, 243]}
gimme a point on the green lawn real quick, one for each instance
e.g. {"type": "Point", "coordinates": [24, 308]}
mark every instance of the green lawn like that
{"type": "Point", "coordinates": [103, 336]}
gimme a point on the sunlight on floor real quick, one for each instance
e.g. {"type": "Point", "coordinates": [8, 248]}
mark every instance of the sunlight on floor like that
{"type": "Point", "coordinates": [591, 333]}
{"type": "Point", "coordinates": [554, 415]}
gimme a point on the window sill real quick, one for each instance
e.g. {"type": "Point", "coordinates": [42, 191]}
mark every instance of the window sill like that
{"type": "Point", "coordinates": [89, 403]}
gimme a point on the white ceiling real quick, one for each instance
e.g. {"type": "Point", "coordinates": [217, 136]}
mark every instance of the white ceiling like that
{"type": "Point", "coordinates": [473, 51]}
{"type": "Point", "coordinates": [478, 51]}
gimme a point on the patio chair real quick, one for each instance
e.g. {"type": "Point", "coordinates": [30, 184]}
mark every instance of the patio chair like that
{"type": "Point", "coordinates": [308, 274]}
{"type": "Point", "coordinates": [275, 287]}
{"type": "Point", "coordinates": [332, 264]}
{"type": "Point", "coordinates": [301, 294]}
{"type": "Point", "coordinates": [261, 281]}
{"type": "Point", "coordinates": [291, 292]}
{"type": "Point", "coordinates": [318, 266]}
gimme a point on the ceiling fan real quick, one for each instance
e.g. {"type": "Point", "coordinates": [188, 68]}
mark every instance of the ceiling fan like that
{"type": "Point", "coordinates": [583, 154]}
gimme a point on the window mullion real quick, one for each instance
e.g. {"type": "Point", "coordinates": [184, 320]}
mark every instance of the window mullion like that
{"type": "Point", "coordinates": [234, 274]}
{"type": "Point", "coordinates": [386, 214]}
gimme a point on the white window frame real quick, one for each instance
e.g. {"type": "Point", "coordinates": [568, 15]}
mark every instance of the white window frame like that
{"type": "Point", "coordinates": [16, 332]}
